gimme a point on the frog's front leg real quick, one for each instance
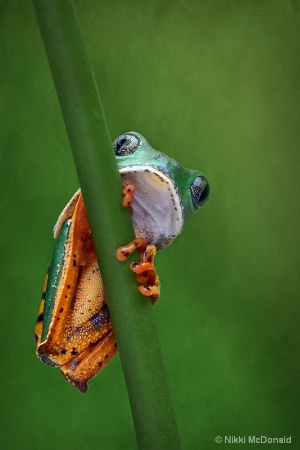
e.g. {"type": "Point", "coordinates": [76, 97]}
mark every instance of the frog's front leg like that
{"type": "Point", "coordinates": [145, 269]}
{"type": "Point", "coordinates": [128, 194]}
{"type": "Point", "coordinates": [146, 272]}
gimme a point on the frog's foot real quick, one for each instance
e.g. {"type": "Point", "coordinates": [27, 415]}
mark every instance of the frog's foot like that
{"type": "Point", "coordinates": [151, 291]}
{"type": "Point", "coordinates": [128, 195]}
{"type": "Point", "coordinates": [145, 270]}
{"type": "Point", "coordinates": [124, 252]}
{"type": "Point", "coordinates": [146, 273]}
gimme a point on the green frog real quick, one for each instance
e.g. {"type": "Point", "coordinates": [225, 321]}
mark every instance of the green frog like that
{"type": "Point", "coordinates": [74, 329]}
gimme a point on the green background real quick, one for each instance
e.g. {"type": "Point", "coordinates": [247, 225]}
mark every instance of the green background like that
{"type": "Point", "coordinates": [216, 85]}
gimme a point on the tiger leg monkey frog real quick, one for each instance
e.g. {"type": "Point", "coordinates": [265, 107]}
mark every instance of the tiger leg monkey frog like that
{"type": "Point", "coordinates": [74, 329]}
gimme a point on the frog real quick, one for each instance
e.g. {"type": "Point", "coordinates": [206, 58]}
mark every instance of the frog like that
{"type": "Point", "coordinates": [74, 330]}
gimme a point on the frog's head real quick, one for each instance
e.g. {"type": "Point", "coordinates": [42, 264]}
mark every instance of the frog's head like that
{"type": "Point", "coordinates": [166, 194]}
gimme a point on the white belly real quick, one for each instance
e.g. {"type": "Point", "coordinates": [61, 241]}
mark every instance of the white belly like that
{"type": "Point", "coordinates": [156, 209]}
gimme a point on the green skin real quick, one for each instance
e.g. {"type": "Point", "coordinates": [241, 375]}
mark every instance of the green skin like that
{"type": "Point", "coordinates": [54, 276]}
{"type": "Point", "coordinates": [180, 178]}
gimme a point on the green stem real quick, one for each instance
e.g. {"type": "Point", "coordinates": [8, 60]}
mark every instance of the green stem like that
{"type": "Point", "coordinates": [132, 315]}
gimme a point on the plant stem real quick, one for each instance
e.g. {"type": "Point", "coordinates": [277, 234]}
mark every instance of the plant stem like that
{"type": "Point", "coordinates": [132, 315]}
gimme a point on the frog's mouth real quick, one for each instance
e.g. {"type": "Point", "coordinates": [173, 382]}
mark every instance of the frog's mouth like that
{"type": "Point", "coordinates": [156, 210]}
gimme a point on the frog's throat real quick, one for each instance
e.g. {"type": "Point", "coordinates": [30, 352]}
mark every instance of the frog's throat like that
{"type": "Point", "coordinates": [157, 211]}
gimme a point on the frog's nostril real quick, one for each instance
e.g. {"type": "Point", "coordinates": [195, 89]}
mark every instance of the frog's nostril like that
{"type": "Point", "coordinates": [199, 191]}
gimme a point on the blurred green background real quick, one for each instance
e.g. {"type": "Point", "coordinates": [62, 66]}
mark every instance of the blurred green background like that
{"type": "Point", "coordinates": [216, 85]}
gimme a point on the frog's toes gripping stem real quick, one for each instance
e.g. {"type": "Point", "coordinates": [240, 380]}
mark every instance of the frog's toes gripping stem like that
{"type": "Point", "coordinates": [151, 291]}
{"type": "Point", "coordinates": [144, 269]}
{"type": "Point", "coordinates": [128, 195]}
{"type": "Point", "coordinates": [124, 252]}
{"type": "Point", "coordinates": [146, 273]}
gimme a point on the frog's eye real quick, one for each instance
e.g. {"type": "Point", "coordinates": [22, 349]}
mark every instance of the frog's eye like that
{"type": "Point", "coordinates": [126, 144]}
{"type": "Point", "coordinates": [199, 191]}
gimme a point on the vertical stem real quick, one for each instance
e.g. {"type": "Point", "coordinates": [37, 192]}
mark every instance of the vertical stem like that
{"type": "Point", "coordinates": [132, 315]}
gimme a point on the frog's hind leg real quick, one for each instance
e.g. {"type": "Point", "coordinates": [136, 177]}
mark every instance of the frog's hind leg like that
{"type": "Point", "coordinates": [85, 366]}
